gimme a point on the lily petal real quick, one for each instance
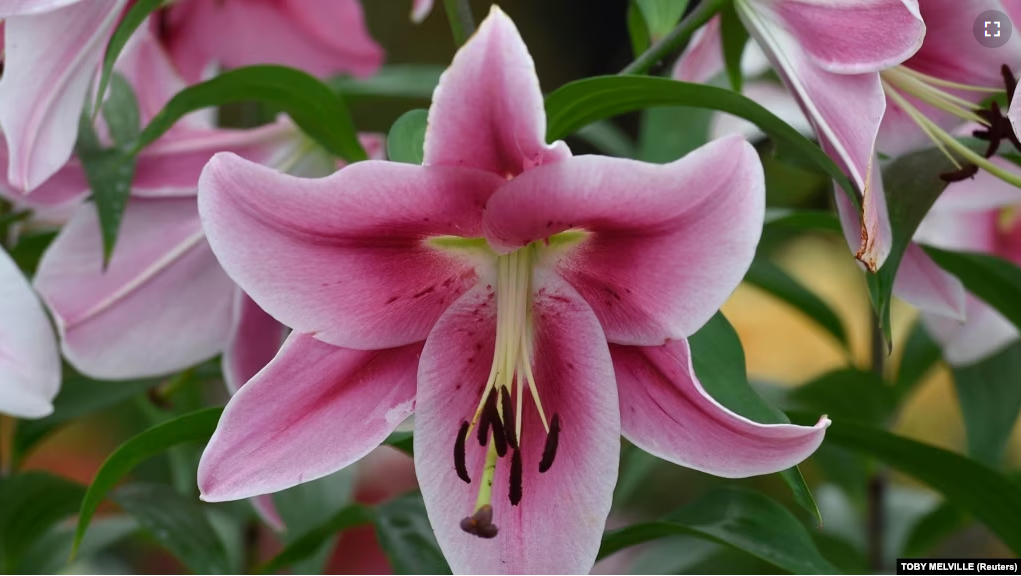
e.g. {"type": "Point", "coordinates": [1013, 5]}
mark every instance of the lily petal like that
{"type": "Point", "coordinates": [50, 61]}
{"type": "Point", "coordinates": [29, 360]}
{"type": "Point", "coordinates": [347, 257]}
{"type": "Point", "coordinates": [162, 304]}
{"type": "Point", "coordinates": [487, 111]}
{"type": "Point", "coordinates": [854, 36]}
{"type": "Point", "coordinates": [872, 241]}
{"type": "Point", "coordinates": [668, 244]}
{"type": "Point", "coordinates": [267, 510]}
{"type": "Point", "coordinates": [845, 110]}
{"type": "Point", "coordinates": [557, 526]}
{"type": "Point", "coordinates": [313, 410]}
{"type": "Point", "coordinates": [985, 333]}
{"type": "Point", "coordinates": [10, 8]}
{"type": "Point", "coordinates": [702, 59]}
{"type": "Point", "coordinates": [322, 38]}
{"type": "Point", "coordinates": [926, 286]}
{"type": "Point", "coordinates": [420, 9]}
{"type": "Point", "coordinates": [1015, 112]}
{"type": "Point", "coordinates": [172, 165]}
{"type": "Point", "coordinates": [255, 340]}
{"type": "Point", "coordinates": [665, 411]}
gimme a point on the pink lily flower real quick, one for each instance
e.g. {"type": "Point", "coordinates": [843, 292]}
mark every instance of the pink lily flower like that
{"type": "Point", "coordinates": [420, 10]}
{"type": "Point", "coordinates": [1015, 112]}
{"type": "Point", "coordinates": [830, 54]}
{"type": "Point", "coordinates": [29, 361]}
{"type": "Point", "coordinates": [323, 38]}
{"type": "Point", "coordinates": [52, 51]}
{"type": "Point", "coordinates": [525, 304]}
{"type": "Point", "coordinates": [976, 215]}
{"type": "Point", "coordinates": [163, 303]}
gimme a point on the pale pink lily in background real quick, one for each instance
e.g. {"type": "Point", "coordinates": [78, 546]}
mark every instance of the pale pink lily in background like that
{"type": "Point", "coordinates": [52, 49]}
{"type": "Point", "coordinates": [321, 37]}
{"type": "Point", "coordinates": [978, 215]}
{"type": "Point", "coordinates": [528, 306]}
{"type": "Point", "coordinates": [163, 303]}
{"type": "Point", "coordinates": [29, 359]}
{"type": "Point", "coordinates": [1015, 112]}
{"type": "Point", "coordinates": [420, 10]}
{"type": "Point", "coordinates": [702, 62]}
{"type": "Point", "coordinates": [829, 54]}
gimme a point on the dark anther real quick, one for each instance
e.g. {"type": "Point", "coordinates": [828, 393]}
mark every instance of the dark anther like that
{"type": "Point", "coordinates": [508, 419]}
{"type": "Point", "coordinates": [1009, 82]}
{"type": "Point", "coordinates": [459, 449]}
{"type": "Point", "coordinates": [480, 523]}
{"type": "Point", "coordinates": [515, 478]}
{"type": "Point", "coordinates": [490, 419]}
{"type": "Point", "coordinates": [964, 173]}
{"type": "Point", "coordinates": [486, 418]}
{"type": "Point", "coordinates": [549, 452]}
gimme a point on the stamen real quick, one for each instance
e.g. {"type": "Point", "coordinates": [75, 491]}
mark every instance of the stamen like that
{"type": "Point", "coordinates": [515, 478]}
{"type": "Point", "coordinates": [1009, 82]}
{"type": "Point", "coordinates": [964, 173]}
{"type": "Point", "coordinates": [508, 416]}
{"type": "Point", "coordinates": [549, 452]}
{"type": "Point", "coordinates": [480, 523]}
{"type": "Point", "coordinates": [459, 453]}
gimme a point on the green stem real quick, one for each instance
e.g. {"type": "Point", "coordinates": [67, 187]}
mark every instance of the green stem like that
{"type": "Point", "coordinates": [880, 478]}
{"type": "Point", "coordinates": [677, 37]}
{"type": "Point", "coordinates": [462, 24]}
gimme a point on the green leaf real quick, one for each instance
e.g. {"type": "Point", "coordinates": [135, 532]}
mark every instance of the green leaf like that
{"type": "Point", "coordinates": [660, 16]}
{"type": "Point", "coordinates": [990, 497]}
{"type": "Point", "coordinates": [802, 220]}
{"type": "Point", "coordinates": [109, 173]}
{"type": "Point", "coordinates": [912, 185]}
{"type": "Point", "coordinates": [719, 363]}
{"type": "Point", "coordinates": [920, 353]}
{"type": "Point", "coordinates": [637, 29]}
{"type": "Point", "coordinates": [668, 134]}
{"type": "Point", "coordinates": [33, 502]}
{"type": "Point", "coordinates": [413, 81]}
{"type": "Point", "coordinates": [993, 279]}
{"type": "Point", "coordinates": [609, 139]}
{"type": "Point", "coordinates": [771, 278]}
{"type": "Point", "coordinates": [403, 441]}
{"type": "Point", "coordinates": [848, 394]}
{"type": "Point", "coordinates": [121, 112]}
{"type": "Point", "coordinates": [311, 104]}
{"type": "Point", "coordinates": [742, 520]}
{"type": "Point", "coordinates": [990, 397]}
{"type": "Point", "coordinates": [735, 36]}
{"type": "Point", "coordinates": [307, 506]}
{"type": "Point", "coordinates": [311, 541]}
{"type": "Point", "coordinates": [133, 18]}
{"type": "Point", "coordinates": [933, 528]}
{"type": "Point", "coordinates": [177, 523]}
{"type": "Point", "coordinates": [406, 140]}
{"type": "Point", "coordinates": [194, 427]}
{"type": "Point", "coordinates": [585, 101]}
{"type": "Point", "coordinates": [48, 554]}
{"type": "Point", "coordinates": [406, 537]}
{"type": "Point", "coordinates": [79, 396]}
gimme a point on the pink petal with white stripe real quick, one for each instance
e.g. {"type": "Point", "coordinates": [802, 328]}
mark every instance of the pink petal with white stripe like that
{"type": "Point", "coordinates": [487, 111]}
{"type": "Point", "coordinates": [854, 36]}
{"type": "Point", "coordinates": [985, 333]}
{"type": "Point", "coordinates": [50, 60]}
{"type": "Point", "coordinates": [665, 245]}
{"type": "Point", "coordinates": [313, 410]}
{"type": "Point", "coordinates": [557, 525]}
{"type": "Point", "coordinates": [322, 38]}
{"type": "Point", "coordinates": [348, 257]}
{"type": "Point", "coordinates": [665, 411]}
{"type": "Point", "coordinates": [30, 368]}
{"type": "Point", "coordinates": [163, 303]}
{"type": "Point", "coordinates": [923, 284]}
{"type": "Point", "coordinates": [255, 340]}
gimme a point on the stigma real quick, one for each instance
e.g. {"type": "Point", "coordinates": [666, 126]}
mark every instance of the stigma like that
{"type": "Point", "coordinates": [496, 424]}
